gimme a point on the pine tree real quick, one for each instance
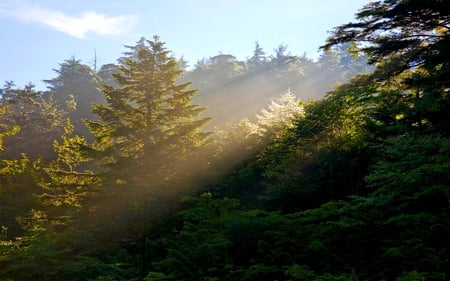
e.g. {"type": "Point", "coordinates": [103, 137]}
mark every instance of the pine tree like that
{"type": "Point", "coordinates": [37, 121]}
{"type": "Point", "coordinates": [408, 42]}
{"type": "Point", "coordinates": [148, 127]}
{"type": "Point", "coordinates": [67, 182]}
{"type": "Point", "coordinates": [279, 114]}
{"type": "Point", "coordinates": [75, 88]}
{"type": "Point", "coordinates": [258, 59]}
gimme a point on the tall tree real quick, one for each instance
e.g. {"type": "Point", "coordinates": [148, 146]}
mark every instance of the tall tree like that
{"type": "Point", "coordinates": [258, 59]}
{"type": "Point", "coordinates": [225, 66]}
{"type": "Point", "coordinates": [407, 40]}
{"type": "Point", "coordinates": [282, 56]}
{"type": "Point", "coordinates": [76, 88]}
{"type": "Point", "coordinates": [66, 182]}
{"type": "Point", "coordinates": [148, 126]}
{"type": "Point", "coordinates": [38, 121]}
{"type": "Point", "coordinates": [279, 114]}
{"type": "Point", "coordinates": [147, 137]}
{"type": "Point", "coordinates": [285, 67]}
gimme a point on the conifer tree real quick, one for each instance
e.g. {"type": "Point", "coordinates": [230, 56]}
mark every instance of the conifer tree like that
{"type": "Point", "coordinates": [258, 59]}
{"type": "Point", "coordinates": [408, 42]}
{"type": "Point", "coordinates": [38, 121]}
{"type": "Point", "coordinates": [148, 127]}
{"type": "Point", "coordinates": [279, 114]}
{"type": "Point", "coordinates": [66, 182]}
{"type": "Point", "coordinates": [75, 88]}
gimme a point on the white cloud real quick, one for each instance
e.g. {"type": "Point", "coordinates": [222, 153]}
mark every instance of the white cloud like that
{"type": "Point", "coordinates": [77, 26]}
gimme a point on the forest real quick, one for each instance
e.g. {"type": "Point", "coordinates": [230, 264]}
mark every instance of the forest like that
{"type": "Point", "coordinates": [277, 167]}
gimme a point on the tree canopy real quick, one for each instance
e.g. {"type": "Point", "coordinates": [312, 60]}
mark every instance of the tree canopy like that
{"type": "Point", "coordinates": [148, 120]}
{"type": "Point", "coordinates": [353, 185]}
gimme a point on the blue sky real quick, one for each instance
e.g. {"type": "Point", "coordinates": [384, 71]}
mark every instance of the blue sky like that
{"type": "Point", "coordinates": [36, 36]}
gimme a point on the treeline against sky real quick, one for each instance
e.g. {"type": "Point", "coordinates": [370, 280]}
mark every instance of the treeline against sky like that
{"type": "Point", "coordinates": [228, 89]}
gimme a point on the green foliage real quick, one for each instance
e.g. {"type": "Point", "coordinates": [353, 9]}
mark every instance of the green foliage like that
{"type": "Point", "coordinates": [395, 228]}
{"type": "Point", "coordinates": [65, 184]}
{"type": "Point", "coordinates": [385, 235]}
{"type": "Point", "coordinates": [322, 156]}
{"type": "Point", "coordinates": [33, 120]}
{"type": "Point", "coordinates": [44, 253]}
{"type": "Point", "coordinates": [199, 251]}
{"type": "Point", "coordinates": [409, 198]}
{"type": "Point", "coordinates": [278, 115]}
{"type": "Point", "coordinates": [411, 163]}
{"type": "Point", "coordinates": [356, 187]}
{"type": "Point", "coordinates": [148, 124]}
{"type": "Point", "coordinates": [24, 258]}
{"type": "Point", "coordinates": [411, 49]}
{"type": "Point", "coordinates": [246, 245]}
{"type": "Point", "coordinates": [244, 87]}
{"type": "Point", "coordinates": [411, 276]}
{"type": "Point", "coordinates": [17, 189]}
{"type": "Point", "coordinates": [75, 89]}
{"type": "Point", "coordinates": [302, 273]}
{"type": "Point", "coordinates": [6, 130]}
